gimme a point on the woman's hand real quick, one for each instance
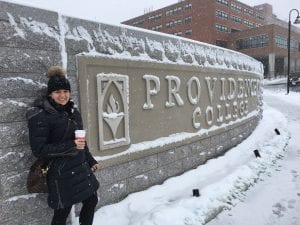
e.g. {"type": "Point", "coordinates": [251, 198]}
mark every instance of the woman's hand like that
{"type": "Point", "coordinates": [80, 143]}
{"type": "Point", "coordinates": [95, 167]}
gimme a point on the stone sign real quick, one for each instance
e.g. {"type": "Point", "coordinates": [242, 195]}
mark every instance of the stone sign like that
{"type": "Point", "coordinates": [131, 102]}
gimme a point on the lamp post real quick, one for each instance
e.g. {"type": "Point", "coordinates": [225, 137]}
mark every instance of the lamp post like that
{"type": "Point", "coordinates": [297, 21]}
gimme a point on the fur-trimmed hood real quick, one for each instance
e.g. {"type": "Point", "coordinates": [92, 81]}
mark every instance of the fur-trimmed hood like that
{"type": "Point", "coordinates": [44, 104]}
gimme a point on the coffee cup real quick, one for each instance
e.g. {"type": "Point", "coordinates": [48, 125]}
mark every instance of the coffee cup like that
{"type": "Point", "coordinates": [80, 134]}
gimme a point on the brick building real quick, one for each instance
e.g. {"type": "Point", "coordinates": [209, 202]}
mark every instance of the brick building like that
{"type": "Point", "coordinates": [254, 31]}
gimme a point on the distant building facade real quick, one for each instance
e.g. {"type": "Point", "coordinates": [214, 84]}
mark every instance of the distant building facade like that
{"type": "Point", "coordinates": [254, 31]}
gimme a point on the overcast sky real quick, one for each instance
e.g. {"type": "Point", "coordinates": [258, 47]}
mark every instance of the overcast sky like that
{"type": "Point", "coordinates": [116, 11]}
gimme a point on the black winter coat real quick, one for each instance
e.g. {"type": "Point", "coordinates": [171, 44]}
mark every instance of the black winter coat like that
{"type": "Point", "coordinates": [51, 134]}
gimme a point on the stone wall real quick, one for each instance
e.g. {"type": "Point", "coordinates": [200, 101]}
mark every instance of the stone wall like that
{"type": "Point", "coordinates": [31, 40]}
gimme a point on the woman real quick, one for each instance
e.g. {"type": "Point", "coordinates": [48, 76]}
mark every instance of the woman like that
{"type": "Point", "coordinates": [70, 178]}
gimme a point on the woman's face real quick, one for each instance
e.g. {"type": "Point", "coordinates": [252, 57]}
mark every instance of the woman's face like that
{"type": "Point", "coordinates": [60, 96]}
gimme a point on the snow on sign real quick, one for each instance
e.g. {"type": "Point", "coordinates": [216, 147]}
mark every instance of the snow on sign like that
{"type": "Point", "coordinates": [135, 105]}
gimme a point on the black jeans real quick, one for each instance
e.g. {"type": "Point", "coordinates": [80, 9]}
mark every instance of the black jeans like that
{"type": "Point", "coordinates": [86, 215]}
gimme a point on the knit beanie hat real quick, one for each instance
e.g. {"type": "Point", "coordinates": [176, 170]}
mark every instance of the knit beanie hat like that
{"type": "Point", "coordinates": [57, 79]}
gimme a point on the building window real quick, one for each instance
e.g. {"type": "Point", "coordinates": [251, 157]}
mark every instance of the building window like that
{"type": "Point", "coordinates": [248, 12]}
{"type": "Point", "coordinates": [249, 23]}
{"type": "Point", "coordinates": [155, 17]}
{"type": "Point", "coordinates": [188, 19]}
{"type": "Point", "coordinates": [221, 43]}
{"type": "Point", "coordinates": [236, 7]}
{"type": "Point", "coordinates": [178, 33]}
{"type": "Point", "coordinates": [174, 23]}
{"type": "Point", "coordinates": [158, 16]}
{"type": "Point", "coordinates": [282, 42]}
{"type": "Point", "coordinates": [169, 24]}
{"type": "Point", "coordinates": [223, 2]}
{"type": "Point", "coordinates": [294, 45]}
{"type": "Point", "coordinates": [259, 16]}
{"type": "Point", "coordinates": [222, 15]}
{"type": "Point", "coordinates": [188, 32]}
{"type": "Point", "coordinates": [156, 28]}
{"type": "Point", "coordinates": [253, 42]}
{"type": "Point", "coordinates": [221, 28]}
{"type": "Point", "coordinates": [150, 18]}
{"type": "Point", "coordinates": [177, 22]}
{"type": "Point", "coordinates": [234, 30]}
{"type": "Point", "coordinates": [174, 11]}
{"type": "Point", "coordinates": [188, 6]}
{"type": "Point", "coordinates": [139, 22]}
{"type": "Point", "coordinates": [236, 19]}
{"type": "Point", "coordinates": [177, 10]}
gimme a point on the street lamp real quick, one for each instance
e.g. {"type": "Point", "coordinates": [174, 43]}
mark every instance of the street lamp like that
{"type": "Point", "coordinates": [297, 21]}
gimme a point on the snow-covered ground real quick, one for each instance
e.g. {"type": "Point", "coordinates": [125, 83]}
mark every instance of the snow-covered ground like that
{"type": "Point", "coordinates": [235, 189]}
{"type": "Point", "coordinates": [276, 200]}
{"type": "Point", "coordinates": [282, 80]}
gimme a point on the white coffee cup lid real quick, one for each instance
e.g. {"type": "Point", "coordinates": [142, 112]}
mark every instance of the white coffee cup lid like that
{"type": "Point", "coordinates": [80, 132]}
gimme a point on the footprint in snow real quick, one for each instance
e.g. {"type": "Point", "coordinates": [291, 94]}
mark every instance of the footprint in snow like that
{"type": "Point", "coordinates": [279, 209]}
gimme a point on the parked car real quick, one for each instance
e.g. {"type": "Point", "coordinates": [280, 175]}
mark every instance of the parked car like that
{"type": "Point", "coordinates": [295, 78]}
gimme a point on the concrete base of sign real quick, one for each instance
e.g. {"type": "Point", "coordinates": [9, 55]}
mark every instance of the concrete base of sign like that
{"type": "Point", "coordinates": [121, 176]}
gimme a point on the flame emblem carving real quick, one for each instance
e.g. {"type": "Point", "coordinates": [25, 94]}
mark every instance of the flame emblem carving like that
{"type": "Point", "coordinates": [113, 110]}
{"type": "Point", "coordinates": [113, 106]}
{"type": "Point", "coordinates": [112, 117]}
